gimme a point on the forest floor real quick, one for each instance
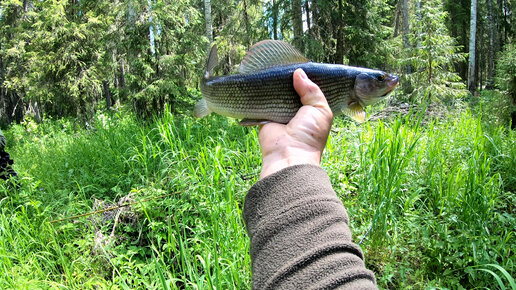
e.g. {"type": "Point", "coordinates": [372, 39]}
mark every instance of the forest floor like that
{"type": "Point", "coordinates": [431, 203]}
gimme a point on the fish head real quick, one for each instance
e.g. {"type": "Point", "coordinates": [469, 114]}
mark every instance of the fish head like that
{"type": "Point", "coordinates": [372, 86]}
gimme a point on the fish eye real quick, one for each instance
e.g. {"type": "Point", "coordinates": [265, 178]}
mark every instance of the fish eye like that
{"type": "Point", "coordinates": [380, 78]}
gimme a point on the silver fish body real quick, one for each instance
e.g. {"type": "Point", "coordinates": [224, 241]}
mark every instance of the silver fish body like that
{"type": "Point", "coordinates": [269, 95]}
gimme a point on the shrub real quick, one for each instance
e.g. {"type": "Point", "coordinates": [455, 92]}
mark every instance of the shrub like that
{"type": "Point", "coordinates": [506, 70]}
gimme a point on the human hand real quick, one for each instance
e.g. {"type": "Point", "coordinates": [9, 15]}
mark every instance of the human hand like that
{"type": "Point", "coordinates": [303, 139]}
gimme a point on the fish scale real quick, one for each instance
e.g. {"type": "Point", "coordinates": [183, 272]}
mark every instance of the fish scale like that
{"type": "Point", "coordinates": [264, 90]}
{"type": "Point", "coordinates": [270, 94]}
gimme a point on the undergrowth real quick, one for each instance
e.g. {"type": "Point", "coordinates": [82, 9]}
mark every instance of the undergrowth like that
{"type": "Point", "coordinates": [432, 204]}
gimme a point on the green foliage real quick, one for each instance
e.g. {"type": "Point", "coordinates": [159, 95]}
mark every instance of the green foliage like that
{"type": "Point", "coordinates": [496, 105]}
{"type": "Point", "coordinates": [366, 29]}
{"type": "Point", "coordinates": [59, 53]}
{"type": "Point", "coordinates": [432, 57]}
{"type": "Point", "coordinates": [432, 204]}
{"type": "Point", "coordinates": [438, 200]}
{"type": "Point", "coordinates": [506, 70]}
{"type": "Point", "coordinates": [435, 198]}
{"type": "Point", "coordinates": [163, 51]}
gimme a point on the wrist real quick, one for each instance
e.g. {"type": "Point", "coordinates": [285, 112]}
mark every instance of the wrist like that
{"type": "Point", "coordinates": [275, 162]}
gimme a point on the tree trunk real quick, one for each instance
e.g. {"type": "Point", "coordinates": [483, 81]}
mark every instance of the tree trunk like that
{"type": "Point", "coordinates": [472, 38]}
{"type": "Point", "coordinates": [492, 47]}
{"type": "Point", "coordinates": [419, 19]}
{"type": "Point", "coordinates": [3, 111]}
{"type": "Point", "coordinates": [297, 21]}
{"type": "Point", "coordinates": [498, 24]}
{"type": "Point", "coordinates": [17, 112]}
{"type": "Point", "coordinates": [106, 93]}
{"type": "Point", "coordinates": [405, 23]}
{"type": "Point", "coordinates": [307, 11]}
{"type": "Point", "coordinates": [247, 26]}
{"type": "Point", "coordinates": [480, 55]}
{"type": "Point", "coordinates": [120, 77]}
{"type": "Point", "coordinates": [339, 53]}
{"type": "Point", "coordinates": [25, 5]}
{"type": "Point", "coordinates": [397, 19]}
{"type": "Point", "coordinates": [35, 111]}
{"type": "Point", "coordinates": [274, 20]}
{"type": "Point", "coordinates": [315, 21]}
{"type": "Point", "coordinates": [209, 25]}
{"type": "Point", "coordinates": [405, 29]}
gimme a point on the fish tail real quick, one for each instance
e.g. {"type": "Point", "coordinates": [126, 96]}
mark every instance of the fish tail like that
{"type": "Point", "coordinates": [201, 109]}
{"type": "Point", "coordinates": [212, 62]}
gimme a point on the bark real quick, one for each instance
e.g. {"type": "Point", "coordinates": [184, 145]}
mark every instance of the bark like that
{"type": "Point", "coordinates": [492, 47]}
{"type": "Point", "coordinates": [397, 19]}
{"type": "Point", "coordinates": [107, 94]}
{"type": "Point", "coordinates": [3, 113]}
{"type": "Point", "coordinates": [209, 25]}
{"type": "Point", "coordinates": [307, 11]}
{"type": "Point", "coordinates": [405, 23]}
{"type": "Point", "coordinates": [472, 38]}
{"type": "Point", "coordinates": [17, 107]}
{"type": "Point", "coordinates": [247, 26]}
{"type": "Point", "coordinates": [419, 19]}
{"type": "Point", "coordinates": [499, 25]}
{"type": "Point", "coordinates": [315, 21]}
{"type": "Point", "coordinates": [121, 76]}
{"type": "Point", "coordinates": [339, 54]}
{"type": "Point", "coordinates": [119, 82]}
{"type": "Point", "coordinates": [297, 20]}
{"type": "Point", "coordinates": [35, 111]}
{"type": "Point", "coordinates": [479, 54]}
{"type": "Point", "coordinates": [405, 29]}
{"type": "Point", "coordinates": [274, 19]}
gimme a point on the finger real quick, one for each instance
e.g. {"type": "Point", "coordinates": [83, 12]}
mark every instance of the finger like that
{"type": "Point", "coordinates": [309, 92]}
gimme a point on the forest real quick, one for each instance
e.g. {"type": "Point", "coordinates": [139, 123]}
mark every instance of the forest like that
{"type": "Point", "coordinates": [119, 186]}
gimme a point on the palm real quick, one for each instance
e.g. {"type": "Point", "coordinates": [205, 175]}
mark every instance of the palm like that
{"type": "Point", "coordinates": [303, 139]}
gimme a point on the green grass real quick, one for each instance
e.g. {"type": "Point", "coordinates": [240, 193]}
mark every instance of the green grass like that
{"type": "Point", "coordinates": [433, 204]}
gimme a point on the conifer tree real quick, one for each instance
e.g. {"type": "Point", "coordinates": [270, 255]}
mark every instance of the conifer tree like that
{"type": "Point", "coordinates": [433, 58]}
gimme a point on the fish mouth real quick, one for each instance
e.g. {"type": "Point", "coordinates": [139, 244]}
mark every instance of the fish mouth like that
{"type": "Point", "coordinates": [392, 82]}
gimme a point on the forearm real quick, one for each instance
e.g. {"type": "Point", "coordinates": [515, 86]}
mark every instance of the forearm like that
{"type": "Point", "coordinates": [299, 233]}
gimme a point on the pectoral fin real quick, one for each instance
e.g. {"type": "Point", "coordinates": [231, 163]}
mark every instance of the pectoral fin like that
{"type": "Point", "coordinates": [355, 112]}
{"type": "Point", "coordinates": [253, 122]}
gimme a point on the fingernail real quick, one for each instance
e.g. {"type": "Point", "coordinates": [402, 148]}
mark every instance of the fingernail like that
{"type": "Point", "coordinates": [303, 75]}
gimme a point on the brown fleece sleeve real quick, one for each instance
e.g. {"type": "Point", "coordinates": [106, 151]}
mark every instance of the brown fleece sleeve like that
{"type": "Point", "coordinates": [300, 238]}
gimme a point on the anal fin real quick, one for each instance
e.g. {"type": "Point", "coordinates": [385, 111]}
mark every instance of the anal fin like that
{"type": "Point", "coordinates": [253, 122]}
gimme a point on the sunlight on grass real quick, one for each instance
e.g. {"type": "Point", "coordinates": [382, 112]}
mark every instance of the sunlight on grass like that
{"type": "Point", "coordinates": [432, 203]}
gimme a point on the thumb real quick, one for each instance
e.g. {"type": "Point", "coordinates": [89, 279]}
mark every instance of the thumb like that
{"type": "Point", "coordinates": [310, 93]}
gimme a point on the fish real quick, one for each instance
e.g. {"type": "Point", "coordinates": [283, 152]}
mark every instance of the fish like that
{"type": "Point", "coordinates": [263, 90]}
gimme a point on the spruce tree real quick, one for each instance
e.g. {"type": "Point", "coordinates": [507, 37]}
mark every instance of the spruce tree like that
{"type": "Point", "coordinates": [432, 56]}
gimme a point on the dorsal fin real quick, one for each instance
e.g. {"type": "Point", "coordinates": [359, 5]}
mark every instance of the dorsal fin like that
{"type": "Point", "coordinates": [211, 63]}
{"type": "Point", "coordinates": [269, 53]}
